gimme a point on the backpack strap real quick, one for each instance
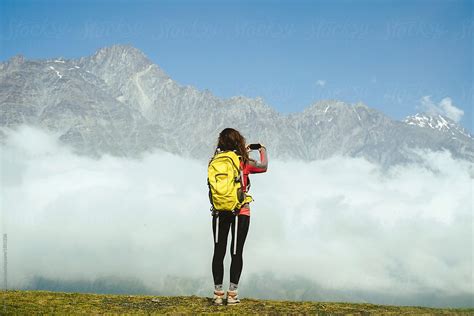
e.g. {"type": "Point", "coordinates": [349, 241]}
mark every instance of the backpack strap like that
{"type": "Point", "coordinates": [217, 228]}
{"type": "Point", "coordinates": [235, 233]}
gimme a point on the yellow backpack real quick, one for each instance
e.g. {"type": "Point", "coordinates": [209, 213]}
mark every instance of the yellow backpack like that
{"type": "Point", "coordinates": [224, 179]}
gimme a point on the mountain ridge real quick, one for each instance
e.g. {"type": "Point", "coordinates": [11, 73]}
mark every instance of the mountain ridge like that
{"type": "Point", "coordinates": [117, 101]}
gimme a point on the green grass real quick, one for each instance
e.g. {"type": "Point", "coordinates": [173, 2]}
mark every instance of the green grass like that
{"type": "Point", "coordinates": [44, 302]}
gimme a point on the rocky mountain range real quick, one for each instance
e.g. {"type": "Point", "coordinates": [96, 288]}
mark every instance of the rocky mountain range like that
{"type": "Point", "coordinates": [118, 102]}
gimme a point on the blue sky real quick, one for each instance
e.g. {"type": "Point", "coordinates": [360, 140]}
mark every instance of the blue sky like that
{"type": "Point", "coordinates": [387, 54]}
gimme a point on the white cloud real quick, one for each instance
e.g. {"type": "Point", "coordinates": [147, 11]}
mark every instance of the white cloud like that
{"type": "Point", "coordinates": [321, 83]}
{"type": "Point", "coordinates": [402, 231]}
{"type": "Point", "coordinates": [445, 107]}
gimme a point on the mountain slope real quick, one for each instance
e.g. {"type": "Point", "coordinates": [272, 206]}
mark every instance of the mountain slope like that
{"type": "Point", "coordinates": [118, 102]}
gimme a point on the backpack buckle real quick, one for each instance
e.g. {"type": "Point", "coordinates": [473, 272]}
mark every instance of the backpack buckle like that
{"type": "Point", "coordinates": [213, 211]}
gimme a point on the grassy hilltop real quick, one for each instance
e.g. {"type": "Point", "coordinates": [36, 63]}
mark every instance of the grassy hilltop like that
{"type": "Point", "coordinates": [40, 302]}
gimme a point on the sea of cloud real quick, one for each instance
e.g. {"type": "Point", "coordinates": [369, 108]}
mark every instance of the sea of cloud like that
{"type": "Point", "coordinates": [343, 223]}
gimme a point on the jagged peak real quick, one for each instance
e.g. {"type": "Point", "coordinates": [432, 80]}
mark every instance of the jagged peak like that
{"type": "Point", "coordinates": [119, 48]}
{"type": "Point", "coordinates": [244, 99]}
{"type": "Point", "coordinates": [325, 105]}
{"type": "Point", "coordinates": [435, 121]}
{"type": "Point", "coordinates": [17, 59]}
{"type": "Point", "coordinates": [361, 104]}
{"type": "Point", "coordinates": [257, 104]}
{"type": "Point", "coordinates": [426, 116]}
{"type": "Point", "coordinates": [125, 57]}
{"type": "Point", "coordinates": [122, 53]}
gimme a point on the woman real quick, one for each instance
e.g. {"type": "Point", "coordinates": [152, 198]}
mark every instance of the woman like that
{"type": "Point", "coordinates": [231, 139]}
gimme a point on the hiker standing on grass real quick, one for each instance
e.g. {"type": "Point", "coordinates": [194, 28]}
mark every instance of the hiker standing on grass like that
{"type": "Point", "coordinates": [229, 183]}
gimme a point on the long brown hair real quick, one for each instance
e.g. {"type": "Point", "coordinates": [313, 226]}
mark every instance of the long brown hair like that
{"type": "Point", "coordinates": [231, 139]}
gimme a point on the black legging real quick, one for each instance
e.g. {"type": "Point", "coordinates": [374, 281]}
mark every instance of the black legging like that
{"type": "Point", "coordinates": [226, 221]}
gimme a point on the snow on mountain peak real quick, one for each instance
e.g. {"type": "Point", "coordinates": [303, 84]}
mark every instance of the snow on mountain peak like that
{"type": "Point", "coordinates": [437, 122]}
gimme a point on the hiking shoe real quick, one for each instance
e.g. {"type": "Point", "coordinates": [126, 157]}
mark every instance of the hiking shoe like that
{"type": "Point", "coordinates": [232, 298]}
{"type": "Point", "coordinates": [218, 298]}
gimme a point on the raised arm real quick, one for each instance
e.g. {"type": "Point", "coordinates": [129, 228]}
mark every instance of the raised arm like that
{"type": "Point", "coordinates": [259, 166]}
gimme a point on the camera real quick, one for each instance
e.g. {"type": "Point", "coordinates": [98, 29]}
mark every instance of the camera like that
{"type": "Point", "coordinates": [255, 146]}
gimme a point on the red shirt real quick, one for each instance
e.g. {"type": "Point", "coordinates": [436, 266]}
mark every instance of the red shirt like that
{"type": "Point", "coordinates": [252, 166]}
